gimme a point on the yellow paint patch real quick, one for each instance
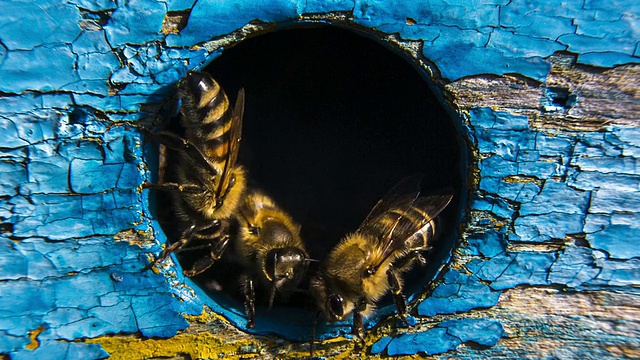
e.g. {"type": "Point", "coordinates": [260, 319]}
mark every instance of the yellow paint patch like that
{"type": "Point", "coordinates": [194, 345]}
{"type": "Point", "coordinates": [33, 335]}
{"type": "Point", "coordinates": [207, 316]}
{"type": "Point", "coordinates": [202, 345]}
{"type": "Point", "coordinates": [227, 344]}
{"type": "Point", "coordinates": [513, 179]}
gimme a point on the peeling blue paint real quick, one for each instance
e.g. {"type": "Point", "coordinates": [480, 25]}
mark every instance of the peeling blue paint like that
{"type": "Point", "coordinates": [480, 331]}
{"type": "Point", "coordinates": [445, 337]}
{"type": "Point", "coordinates": [487, 244]}
{"type": "Point", "coordinates": [135, 22]}
{"type": "Point", "coordinates": [21, 27]}
{"type": "Point", "coordinates": [380, 345]}
{"type": "Point", "coordinates": [505, 36]}
{"type": "Point", "coordinates": [614, 239]}
{"type": "Point", "coordinates": [69, 179]}
{"type": "Point", "coordinates": [574, 267]}
{"type": "Point", "coordinates": [458, 293]}
{"type": "Point", "coordinates": [63, 350]}
{"type": "Point", "coordinates": [596, 200]}
{"type": "Point", "coordinates": [541, 216]}
{"type": "Point", "coordinates": [408, 344]}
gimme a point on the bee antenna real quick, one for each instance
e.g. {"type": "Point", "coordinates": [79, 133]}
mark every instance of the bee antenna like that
{"type": "Point", "coordinates": [272, 296]}
{"type": "Point", "coordinates": [314, 267]}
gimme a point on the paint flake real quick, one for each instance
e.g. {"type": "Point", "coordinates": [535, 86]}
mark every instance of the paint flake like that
{"type": "Point", "coordinates": [547, 200]}
{"type": "Point", "coordinates": [543, 227]}
{"type": "Point", "coordinates": [615, 240]}
{"type": "Point", "coordinates": [461, 293]}
{"type": "Point", "coordinates": [438, 340]}
{"type": "Point", "coordinates": [480, 331]}
{"type": "Point", "coordinates": [574, 267]}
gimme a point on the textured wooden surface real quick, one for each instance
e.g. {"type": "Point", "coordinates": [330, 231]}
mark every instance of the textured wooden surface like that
{"type": "Point", "coordinates": [544, 96]}
{"type": "Point", "coordinates": [573, 97]}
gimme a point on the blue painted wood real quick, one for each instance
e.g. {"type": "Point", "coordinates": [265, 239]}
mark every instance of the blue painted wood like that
{"type": "Point", "coordinates": [76, 227]}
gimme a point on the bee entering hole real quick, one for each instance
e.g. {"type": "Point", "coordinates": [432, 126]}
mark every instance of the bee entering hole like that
{"type": "Point", "coordinates": [332, 120]}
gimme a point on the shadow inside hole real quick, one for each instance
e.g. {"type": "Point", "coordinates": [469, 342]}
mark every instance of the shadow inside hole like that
{"type": "Point", "coordinates": [560, 98]}
{"type": "Point", "coordinates": [332, 121]}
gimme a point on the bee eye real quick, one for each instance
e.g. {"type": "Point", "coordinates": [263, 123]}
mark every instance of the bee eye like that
{"type": "Point", "coordinates": [334, 305]}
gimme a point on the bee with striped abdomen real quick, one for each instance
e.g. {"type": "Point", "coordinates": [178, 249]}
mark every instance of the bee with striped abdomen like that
{"type": "Point", "coordinates": [213, 204]}
{"type": "Point", "coordinates": [370, 262]}
{"type": "Point", "coordinates": [205, 183]}
{"type": "Point", "coordinates": [270, 250]}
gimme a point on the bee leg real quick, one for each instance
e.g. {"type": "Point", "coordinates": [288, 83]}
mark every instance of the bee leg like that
{"type": "Point", "coordinates": [170, 186]}
{"type": "Point", "coordinates": [175, 142]}
{"type": "Point", "coordinates": [176, 246]}
{"type": "Point", "coordinates": [249, 300]}
{"type": "Point", "coordinates": [216, 250]}
{"type": "Point", "coordinates": [199, 267]}
{"type": "Point", "coordinates": [398, 297]}
{"type": "Point", "coordinates": [185, 238]}
{"type": "Point", "coordinates": [358, 321]}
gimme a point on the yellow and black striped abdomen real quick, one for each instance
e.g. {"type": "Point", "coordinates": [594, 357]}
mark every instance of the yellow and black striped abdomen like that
{"type": "Point", "coordinates": [213, 130]}
{"type": "Point", "coordinates": [425, 227]}
{"type": "Point", "coordinates": [206, 115]}
{"type": "Point", "coordinates": [409, 228]}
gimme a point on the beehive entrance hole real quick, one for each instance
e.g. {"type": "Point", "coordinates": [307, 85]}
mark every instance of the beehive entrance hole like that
{"type": "Point", "coordinates": [333, 120]}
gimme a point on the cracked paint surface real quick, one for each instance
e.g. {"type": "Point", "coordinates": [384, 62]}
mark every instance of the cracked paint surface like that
{"type": "Point", "coordinates": [548, 208]}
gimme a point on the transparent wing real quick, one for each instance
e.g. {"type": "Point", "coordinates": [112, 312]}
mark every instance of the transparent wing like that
{"type": "Point", "coordinates": [175, 142]}
{"type": "Point", "coordinates": [406, 190]}
{"type": "Point", "coordinates": [397, 218]}
{"type": "Point", "coordinates": [235, 135]}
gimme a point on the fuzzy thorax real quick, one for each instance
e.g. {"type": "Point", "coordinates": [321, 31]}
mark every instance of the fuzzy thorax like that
{"type": "Point", "coordinates": [212, 207]}
{"type": "Point", "coordinates": [346, 273]}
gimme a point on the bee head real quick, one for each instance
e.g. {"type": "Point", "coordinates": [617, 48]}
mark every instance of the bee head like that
{"type": "Point", "coordinates": [285, 267]}
{"type": "Point", "coordinates": [332, 305]}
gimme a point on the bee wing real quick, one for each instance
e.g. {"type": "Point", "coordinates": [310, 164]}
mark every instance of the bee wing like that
{"type": "Point", "coordinates": [175, 142]}
{"type": "Point", "coordinates": [235, 135]}
{"type": "Point", "coordinates": [406, 190]}
{"type": "Point", "coordinates": [410, 222]}
{"type": "Point", "coordinates": [397, 224]}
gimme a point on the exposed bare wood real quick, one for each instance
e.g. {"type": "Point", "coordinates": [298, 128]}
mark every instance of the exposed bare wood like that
{"type": "Point", "coordinates": [594, 98]}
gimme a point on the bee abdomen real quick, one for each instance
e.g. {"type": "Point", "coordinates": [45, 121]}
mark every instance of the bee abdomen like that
{"type": "Point", "coordinates": [207, 115]}
{"type": "Point", "coordinates": [412, 220]}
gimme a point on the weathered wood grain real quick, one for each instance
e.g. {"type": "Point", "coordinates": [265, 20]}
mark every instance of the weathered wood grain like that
{"type": "Point", "coordinates": [597, 97]}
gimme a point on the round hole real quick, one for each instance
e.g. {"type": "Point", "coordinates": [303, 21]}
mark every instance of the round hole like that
{"type": "Point", "coordinates": [333, 120]}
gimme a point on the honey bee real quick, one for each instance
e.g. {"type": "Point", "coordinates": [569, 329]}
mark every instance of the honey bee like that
{"type": "Point", "coordinates": [211, 199]}
{"type": "Point", "coordinates": [369, 263]}
{"type": "Point", "coordinates": [269, 248]}
{"type": "Point", "coordinates": [206, 184]}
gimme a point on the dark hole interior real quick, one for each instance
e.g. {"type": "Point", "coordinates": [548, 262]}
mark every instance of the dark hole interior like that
{"type": "Point", "coordinates": [332, 121]}
{"type": "Point", "coordinates": [562, 97]}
